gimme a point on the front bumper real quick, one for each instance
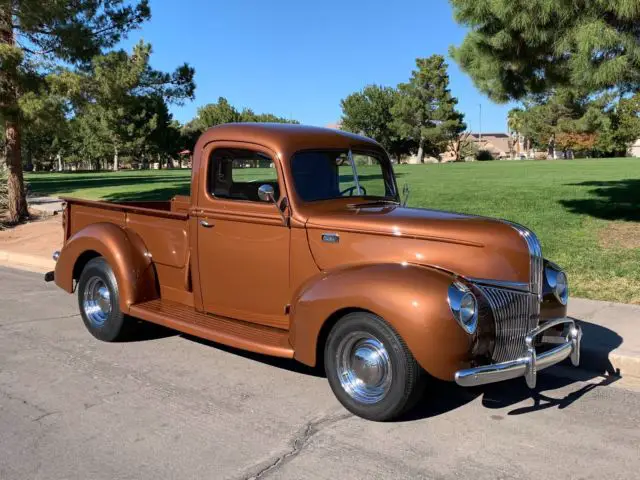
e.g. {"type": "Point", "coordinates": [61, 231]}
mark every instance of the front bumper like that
{"type": "Point", "coordinates": [528, 365]}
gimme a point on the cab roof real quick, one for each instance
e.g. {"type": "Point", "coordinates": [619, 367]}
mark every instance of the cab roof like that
{"type": "Point", "coordinates": [286, 138]}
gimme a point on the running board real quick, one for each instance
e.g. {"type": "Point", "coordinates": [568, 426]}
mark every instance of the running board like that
{"type": "Point", "coordinates": [235, 333]}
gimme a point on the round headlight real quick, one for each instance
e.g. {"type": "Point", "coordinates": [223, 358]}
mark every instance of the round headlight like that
{"type": "Point", "coordinates": [464, 306]}
{"type": "Point", "coordinates": [557, 280]}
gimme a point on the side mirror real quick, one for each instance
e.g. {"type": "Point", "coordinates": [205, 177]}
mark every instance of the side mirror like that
{"type": "Point", "coordinates": [266, 194]}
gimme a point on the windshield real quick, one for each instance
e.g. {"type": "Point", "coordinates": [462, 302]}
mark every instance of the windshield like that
{"type": "Point", "coordinates": [327, 174]}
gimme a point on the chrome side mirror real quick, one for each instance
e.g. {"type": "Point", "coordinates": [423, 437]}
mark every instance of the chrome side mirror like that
{"type": "Point", "coordinates": [266, 194]}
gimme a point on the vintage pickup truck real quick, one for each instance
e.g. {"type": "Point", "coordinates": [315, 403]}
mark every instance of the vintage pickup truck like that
{"type": "Point", "coordinates": [295, 243]}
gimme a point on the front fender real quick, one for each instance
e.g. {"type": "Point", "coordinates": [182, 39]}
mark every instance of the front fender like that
{"type": "Point", "coordinates": [411, 298]}
{"type": "Point", "coordinates": [124, 251]}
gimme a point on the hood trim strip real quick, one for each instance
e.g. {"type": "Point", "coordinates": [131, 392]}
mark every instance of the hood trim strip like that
{"type": "Point", "coordinates": [469, 243]}
{"type": "Point", "coordinates": [535, 258]}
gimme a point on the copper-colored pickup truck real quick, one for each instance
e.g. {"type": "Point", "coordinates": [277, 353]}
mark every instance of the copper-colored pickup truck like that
{"type": "Point", "coordinates": [296, 243]}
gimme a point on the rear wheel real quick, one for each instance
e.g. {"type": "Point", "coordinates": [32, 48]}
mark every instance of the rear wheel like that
{"type": "Point", "coordinates": [369, 367]}
{"type": "Point", "coordinates": [99, 301]}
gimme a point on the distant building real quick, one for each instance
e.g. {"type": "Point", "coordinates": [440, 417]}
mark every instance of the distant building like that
{"type": "Point", "coordinates": [496, 143]}
{"type": "Point", "coordinates": [634, 149]}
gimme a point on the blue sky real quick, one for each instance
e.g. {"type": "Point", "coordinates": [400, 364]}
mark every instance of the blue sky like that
{"type": "Point", "coordinates": [298, 58]}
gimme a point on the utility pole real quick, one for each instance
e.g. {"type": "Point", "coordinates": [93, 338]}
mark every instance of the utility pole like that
{"type": "Point", "coordinates": [480, 133]}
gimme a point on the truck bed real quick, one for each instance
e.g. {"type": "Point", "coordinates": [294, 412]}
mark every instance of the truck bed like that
{"type": "Point", "coordinates": [163, 227]}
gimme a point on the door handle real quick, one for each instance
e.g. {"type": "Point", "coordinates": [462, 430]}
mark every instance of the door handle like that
{"type": "Point", "coordinates": [206, 224]}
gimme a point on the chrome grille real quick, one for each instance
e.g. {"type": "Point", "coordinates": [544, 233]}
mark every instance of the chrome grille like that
{"type": "Point", "coordinates": [515, 314]}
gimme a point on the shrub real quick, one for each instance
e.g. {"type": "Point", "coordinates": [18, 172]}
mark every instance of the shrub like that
{"type": "Point", "coordinates": [484, 155]}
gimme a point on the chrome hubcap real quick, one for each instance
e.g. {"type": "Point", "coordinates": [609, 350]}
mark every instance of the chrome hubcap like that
{"type": "Point", "coordinates": [364, 368]}
{"type": "Point", "coordinates": [97, 301]}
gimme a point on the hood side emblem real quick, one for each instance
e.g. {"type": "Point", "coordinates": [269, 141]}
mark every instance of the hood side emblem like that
{"type": "Point", "coordinates": [331, 237]}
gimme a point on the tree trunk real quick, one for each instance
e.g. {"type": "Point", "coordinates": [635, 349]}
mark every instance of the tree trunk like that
{"type": "Point", "coordinates": [115, 159]}
{"type": "Point", "coordinates": [15, 180]}
{"type": "Point", "coordinates": [421, 151]}
{"type": "Point", "coordinates": [59, 158]}
{"type": "Point", "coordinates": [12, 150]}
{"type": "Point", "coordinates": [551, 149]}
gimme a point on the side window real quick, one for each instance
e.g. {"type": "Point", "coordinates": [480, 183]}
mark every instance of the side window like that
{"type": "Point", "coordinates": [237, 174]}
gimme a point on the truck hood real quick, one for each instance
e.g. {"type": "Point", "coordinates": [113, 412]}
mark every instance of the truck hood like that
{"type": "Point", "coordinates": [467, 245]}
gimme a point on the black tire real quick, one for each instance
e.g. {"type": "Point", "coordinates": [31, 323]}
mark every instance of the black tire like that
{"type": "Point", "coordinates": [109, 326]}
{"type": "Point", "coordinates": [401, 389]}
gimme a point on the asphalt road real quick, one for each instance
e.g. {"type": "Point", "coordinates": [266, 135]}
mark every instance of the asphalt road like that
{"type": "Point", "coordinates": [170, 406]}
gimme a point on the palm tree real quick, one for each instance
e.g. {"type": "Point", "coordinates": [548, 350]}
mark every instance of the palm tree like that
{"type": "Point", "coordinates": [515, 123]}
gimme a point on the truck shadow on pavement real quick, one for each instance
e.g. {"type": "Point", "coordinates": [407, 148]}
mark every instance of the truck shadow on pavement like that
{"type": "Point", "coordinates": [595, 369]}
{"type": "Point", "coordinates": [442, 397]}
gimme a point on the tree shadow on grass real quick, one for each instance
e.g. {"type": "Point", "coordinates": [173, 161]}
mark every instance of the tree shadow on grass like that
{"type": "Point", "coordinates": [613, 200]}
{"type": "Point", "coordinates": [150, 195]}
{"type": "Point", "coordinates": [52, 186]}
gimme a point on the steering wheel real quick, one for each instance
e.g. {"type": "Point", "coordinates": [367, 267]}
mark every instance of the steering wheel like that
{"type": "Point", "coordinates": [352, 189]}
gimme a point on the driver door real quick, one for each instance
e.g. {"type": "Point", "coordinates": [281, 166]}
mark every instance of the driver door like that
{"type": "Point", "coordinates": [243, 243]}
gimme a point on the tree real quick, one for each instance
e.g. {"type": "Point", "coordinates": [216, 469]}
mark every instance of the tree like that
{"type": "Point", "coordinates": [368, 112]}
{"type": "Point", "coordinates": [4, 194]}
{"type": "Point", "coordinates": [122, 97]}
{"type": "Point", "coordinates": [222, 112]}
{"type": "Point", "coordinates": [462, 147]}
{"type": "Point", "coordinates": [517, 48]}
{"type": "Point", "coordinates": [425, 110]}
{"type": "Point", "coordinates": [45, 127]}
{"type": "Point", "coordinates": [214, 114]}
{"type": "Point", "coordinates": [33, 34]}
{"type": "Point", "coordinates": [515, 125]}
{"type": "Point", "coordinates": [625, 128]}
{"type": "Point", "coordinates": [563, 120]}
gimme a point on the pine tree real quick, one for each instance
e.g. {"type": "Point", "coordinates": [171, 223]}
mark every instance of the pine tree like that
{"type": "Point", "coordinates": [519, 47]}
{"type": "Point", "coordinates": [35, 33]}
{"type": "Point", "coordinates": [426, 111]}
{"type": "Point", "coordinates": [123, 97]}
{"type": "Point", "coordinates": [563, 120]}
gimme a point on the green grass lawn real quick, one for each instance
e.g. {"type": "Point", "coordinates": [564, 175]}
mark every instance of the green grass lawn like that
{"type": "Point", "coordinates": [585, 212]}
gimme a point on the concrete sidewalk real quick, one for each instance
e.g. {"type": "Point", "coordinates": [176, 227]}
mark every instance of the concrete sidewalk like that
{"type": "Point", "coordinates": [45, 205]}
{"type": "Point", "coordinates": [611, 341]}
{"type": "Point", "coordinates": [611, 335]}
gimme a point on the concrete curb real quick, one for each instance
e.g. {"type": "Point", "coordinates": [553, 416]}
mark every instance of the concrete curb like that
{"type": "Point", "coordinates": [594, 356]}
{"type": "Point", "coordinates": [31, 263]}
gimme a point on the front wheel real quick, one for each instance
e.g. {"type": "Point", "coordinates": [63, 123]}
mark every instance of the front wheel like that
{"type": "Point", "coordinates": [99, 301]}
{"type": "Point", "coordinates": [369, 367]}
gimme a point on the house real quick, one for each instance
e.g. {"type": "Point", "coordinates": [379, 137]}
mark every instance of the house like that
{"type": "Point", "coordinates": [634, 149]}
{"type": "Point", "coordinates": [499, 144]}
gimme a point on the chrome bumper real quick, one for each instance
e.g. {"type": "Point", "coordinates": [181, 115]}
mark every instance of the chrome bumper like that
{"type": "Point", "coordinates": [529, 365]}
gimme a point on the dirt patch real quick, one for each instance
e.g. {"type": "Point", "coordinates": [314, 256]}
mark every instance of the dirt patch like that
{"type": "Point", "coordinates": [620, 235]}
{"type": "Point", "coordinates": [36, 238]}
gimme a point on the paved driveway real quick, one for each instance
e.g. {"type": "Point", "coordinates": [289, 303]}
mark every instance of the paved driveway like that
{"type": "Point", "coordinates": [170, 406]}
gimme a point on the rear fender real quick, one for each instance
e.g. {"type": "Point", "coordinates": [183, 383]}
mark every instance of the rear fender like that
{"type": "Point", "coordinates": [125, 252]}
{"type": "Point", "coordinates": [411, 298]}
